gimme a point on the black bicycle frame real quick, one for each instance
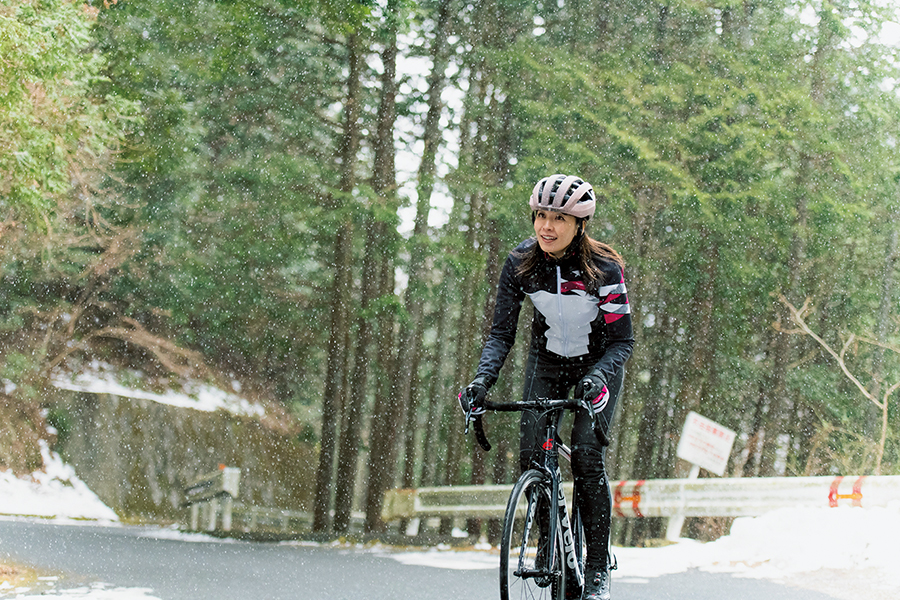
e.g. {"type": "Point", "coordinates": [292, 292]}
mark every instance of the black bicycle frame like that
{"type": "Point", "coordinates": [548, 462]}
{"type": "Point", "coordinates": [545, 460]}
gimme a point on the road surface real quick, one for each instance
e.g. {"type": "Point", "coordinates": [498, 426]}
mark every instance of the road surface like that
{"type": "Point", "coordinates": [176, 569]}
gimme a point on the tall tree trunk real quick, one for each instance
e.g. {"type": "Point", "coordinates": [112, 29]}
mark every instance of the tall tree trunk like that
{"type": "Point", "coordinates": [493, 262]}
{"type": "Point", "coordinates": [465, 353]}
{"type": "Point", "coordinates": [410, 347]}
{"type": "Point", "coordinates": [775, 384]}
{"type": "Point", "coordinates": [466, 287]}
{"type": "Point", "coordinates": [339, 335]}
{"type": "Point", "coordinates": [758, 424]}
{"type": "Point", "coordinates": [873, 416]}
{"type": "Point", "coordinates": [642, 291]}
{"type": "Point", "coordinates": [771, 413]}
{"type": "Point", "coordinates": [696, 370]}
{"type": "Point", "coordinates": [387, 418]}
{"type": "Point", "coordinates": [388, 413]}
{"type": "Point", "coordinates": [356, 397]}
{"type": "Point", "coordinates": [441, 399]}
{"type": "Point", "coordinates": [492, 274]}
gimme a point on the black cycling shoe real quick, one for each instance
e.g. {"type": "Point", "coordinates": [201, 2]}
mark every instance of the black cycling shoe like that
{"type": "Point", "coordinates": [573, 590]}
{"type": "Point", "coordinates": [596, 585]}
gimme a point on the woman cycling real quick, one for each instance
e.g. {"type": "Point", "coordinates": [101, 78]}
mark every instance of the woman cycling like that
{"type": "Point", "coordinates": [581, 336]}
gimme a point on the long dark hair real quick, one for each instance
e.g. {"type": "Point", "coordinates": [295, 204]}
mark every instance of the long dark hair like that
{"type": "Point", "coordinates": [585, 249]}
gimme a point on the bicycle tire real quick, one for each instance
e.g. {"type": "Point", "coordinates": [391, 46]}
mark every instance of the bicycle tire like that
{"type": "Point", "coordinates": [521, 545]}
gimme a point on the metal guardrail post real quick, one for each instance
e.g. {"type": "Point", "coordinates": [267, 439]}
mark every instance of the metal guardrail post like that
{"type": "Point", "coordinates": [676, 521]}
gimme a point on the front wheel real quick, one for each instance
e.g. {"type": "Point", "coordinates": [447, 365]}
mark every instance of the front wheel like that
{"type": "Point", "coordinates": [526, 568]}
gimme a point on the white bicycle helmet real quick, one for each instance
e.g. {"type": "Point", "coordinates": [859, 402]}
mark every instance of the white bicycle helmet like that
{"type": "Point", "coordinates": [566, 194]}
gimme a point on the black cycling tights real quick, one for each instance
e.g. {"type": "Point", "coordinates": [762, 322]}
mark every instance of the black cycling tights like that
{"type": "Point", "coordinates": [551, 380]}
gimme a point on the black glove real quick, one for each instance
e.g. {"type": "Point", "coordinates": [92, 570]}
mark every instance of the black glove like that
{"type": "Point", "coordinates": [472, 396]}
{"type": "Point", "coordinates": [594, 396]}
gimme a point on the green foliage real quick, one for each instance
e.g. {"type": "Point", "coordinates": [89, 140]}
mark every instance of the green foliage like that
{"type": "Point", "coordinates": [53, 125]}
{"type": "Point", "coordinates": [737, 155]}
{"type": "Point", "coordinates": [726, 179]}
{"type": "Point", "coordinates": [59, 134]}
{"type": "Point", "coordinates": [24, 371]}
{"type": "Point", "coordinates": [235, 163]}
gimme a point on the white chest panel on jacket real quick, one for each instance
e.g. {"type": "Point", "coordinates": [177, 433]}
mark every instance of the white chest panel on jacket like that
{"type": "Point", "coordinates": [569, 317]}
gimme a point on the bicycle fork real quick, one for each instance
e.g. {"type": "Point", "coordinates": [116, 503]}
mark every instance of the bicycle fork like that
{"type": "Point", "coordinates": [559, 524]}
{"type": "Point", "coordinates": [521, 570]}
{"type": "Point", "coordinates": [547, 532]}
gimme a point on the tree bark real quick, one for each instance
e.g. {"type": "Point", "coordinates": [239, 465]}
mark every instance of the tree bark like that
{"type": "Point", "coordinates": [388, 412]}
{"type": "Point", "coordinates": [387, 418]}
{"type": "Point", "coordinates": [441, 397]}
{"type": "Point", "coordinates": [339, 331]}
{"type": "Point", "coordinates": [357, 392]}
{"type": "Point", "coordinates": [873, 415]}
{"type": "Point", "coordinates": [410, 347]}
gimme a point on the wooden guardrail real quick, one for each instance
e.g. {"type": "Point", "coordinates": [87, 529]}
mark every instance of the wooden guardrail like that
{"type": "Point", "coordinates": [712, 497]}
{"type": "Point", "coordinates": [211, 493]}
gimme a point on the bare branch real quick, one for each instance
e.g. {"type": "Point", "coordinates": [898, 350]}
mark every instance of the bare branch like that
{"type": "Point", "coordinates": [797, 317]}
{"type": "Point", "coordinates": [884, 345]}
{"type": "Point", "coordinates": [181, 361]}
{"type": "Point", "coordinates": [847, 344]}
{"type": "Point", "coordinates": [890, 391]}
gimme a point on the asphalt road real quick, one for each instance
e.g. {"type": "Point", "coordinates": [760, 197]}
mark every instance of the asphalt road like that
{"type": "Point", "coordinates": [180, 570]}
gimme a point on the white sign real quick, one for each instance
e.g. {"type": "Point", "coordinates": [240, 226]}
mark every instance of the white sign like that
{"type": "Point", "coordinates": [705, 443]}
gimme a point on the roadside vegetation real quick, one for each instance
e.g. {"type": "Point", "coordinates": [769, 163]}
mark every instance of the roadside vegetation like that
{"type": "Point", "coordinates": [312, 200]}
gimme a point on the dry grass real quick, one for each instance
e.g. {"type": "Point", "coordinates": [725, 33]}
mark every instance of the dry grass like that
{"type": "Point", "coordinates": [16, 575]}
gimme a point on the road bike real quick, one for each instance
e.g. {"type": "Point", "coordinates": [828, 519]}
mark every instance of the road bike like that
{"type": "Point", "coordinates": [541, 547]}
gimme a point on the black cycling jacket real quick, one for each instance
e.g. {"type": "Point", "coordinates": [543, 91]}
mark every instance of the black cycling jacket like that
{"type": "Point", "coordinates": [571, 325]}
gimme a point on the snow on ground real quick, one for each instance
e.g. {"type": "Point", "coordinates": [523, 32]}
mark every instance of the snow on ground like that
{"type": "Point", "coordinates": [53, 492]}
{"type": "Point", "coordinates": [173, 533]}
{"type": "Point", "coordinates": [847, 553]}
{"type": "Point", "coordinates": [101, 378]}
{"type": "Point", "coordinates": [97, 591]}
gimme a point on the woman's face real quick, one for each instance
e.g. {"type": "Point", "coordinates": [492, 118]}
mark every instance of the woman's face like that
{"type": "Point", "coordinates": [554, 231]}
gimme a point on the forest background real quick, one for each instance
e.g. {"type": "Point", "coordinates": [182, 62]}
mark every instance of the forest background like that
{"type": "Point", "coordinates": [313, 198]}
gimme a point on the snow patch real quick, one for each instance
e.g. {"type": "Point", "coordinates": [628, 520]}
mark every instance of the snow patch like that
{"type": "Point", "coordinates": [101, 378]}
{"type": "Point", "coordinates": [173, 533]}
{"type": "Point", "coordinates": [842, 551]}
{"type": "Point", "coordinates": [55, 491]}
{"type": "Point", "coordinates": [97, 591]}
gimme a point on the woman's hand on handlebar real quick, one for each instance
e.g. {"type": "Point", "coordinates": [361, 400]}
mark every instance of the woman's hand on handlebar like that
{"type": "Point", "coordinates": [471, 401]}
{"type": "Point", "coordinates": [594, 395]}
{"type": "Point", "coordinates": [471, 398]}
